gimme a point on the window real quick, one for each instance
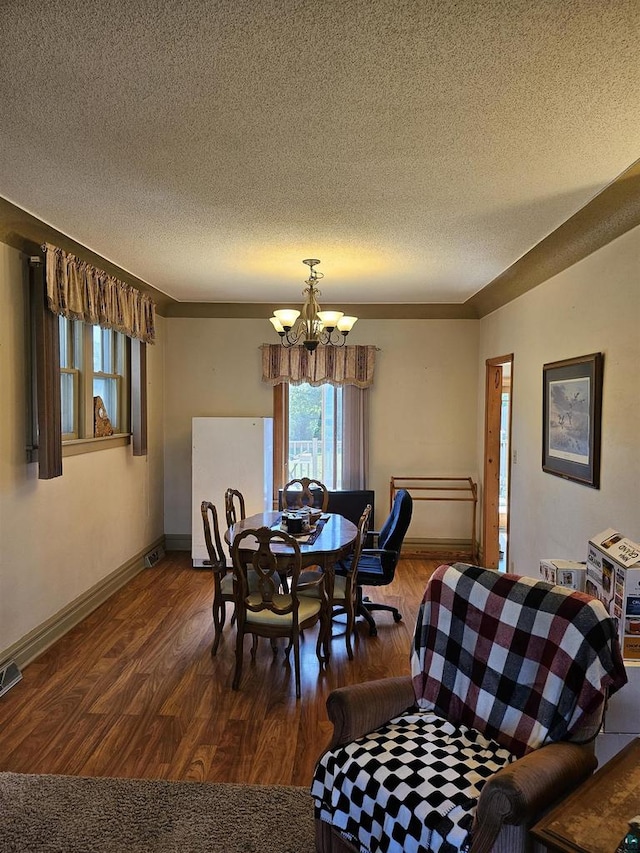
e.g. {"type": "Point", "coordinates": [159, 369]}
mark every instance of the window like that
{"type": "Point", "coordinates": [109, 370]}
{"type": "Point", "coordinates": [321, 432]}
{"type": "Point", "coordinates": [65, 376]}
{"type": "Point", "coordinates": [70, 363]}
{"type": "Point", "coordinates": [93, 362]}
{"type": "Point", "coordinates": [315, 433]}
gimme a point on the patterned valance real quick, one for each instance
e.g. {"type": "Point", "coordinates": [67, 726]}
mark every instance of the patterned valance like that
{"type": "Point", "coordinates": [348, 365]}
{"type": "Point", "coordinates": [79, 291]}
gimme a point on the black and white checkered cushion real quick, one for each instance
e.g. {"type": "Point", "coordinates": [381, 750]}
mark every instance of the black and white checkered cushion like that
{"type": "Point", "coordinates": [409, 787]}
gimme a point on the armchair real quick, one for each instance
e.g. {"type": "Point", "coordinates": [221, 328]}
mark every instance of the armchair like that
{"type": "Point", "coordinates": [509, 680]}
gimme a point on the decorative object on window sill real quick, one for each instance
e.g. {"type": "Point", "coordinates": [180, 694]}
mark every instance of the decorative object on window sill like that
{"type": "Point", "coordinates": [101, 423]}
{"type": "Point", "coordinates": [312, 326]}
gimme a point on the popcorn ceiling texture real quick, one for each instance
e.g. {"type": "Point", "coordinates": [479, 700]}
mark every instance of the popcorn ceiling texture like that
{"type": "Point", "coordinates": [417, 147]}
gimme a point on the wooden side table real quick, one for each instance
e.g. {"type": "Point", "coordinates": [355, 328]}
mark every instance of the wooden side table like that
{"type": "Point", "coordinates": [594, 818]}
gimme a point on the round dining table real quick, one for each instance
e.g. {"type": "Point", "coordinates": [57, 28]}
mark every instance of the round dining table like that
{"type": "Point", "coordinates": [334, 541]}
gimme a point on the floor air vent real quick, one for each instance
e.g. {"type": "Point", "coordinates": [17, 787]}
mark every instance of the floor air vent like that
{"type": "Point", "coordinates": [9, 675]}
{"type": "Point", "coordinates": [153, 557]}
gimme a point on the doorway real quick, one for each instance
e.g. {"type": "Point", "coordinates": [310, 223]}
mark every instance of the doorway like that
{"type": "Point", "coordinates": [497, 462]}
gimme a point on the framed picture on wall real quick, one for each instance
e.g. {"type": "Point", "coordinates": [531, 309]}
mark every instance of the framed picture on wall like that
{"type": "Point", "coordinates": [571, 417]}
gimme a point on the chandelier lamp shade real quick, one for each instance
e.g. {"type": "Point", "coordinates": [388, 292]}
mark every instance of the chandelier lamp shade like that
{"type": "Point", "coordinates": [311, 326]}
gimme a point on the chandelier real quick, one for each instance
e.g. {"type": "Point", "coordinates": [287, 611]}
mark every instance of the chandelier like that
{"type": "Point", "coordinates": [311, 326]}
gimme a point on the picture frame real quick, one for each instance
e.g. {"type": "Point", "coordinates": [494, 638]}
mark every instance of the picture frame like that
{"type": "Point", "coordinates": [571, 418]}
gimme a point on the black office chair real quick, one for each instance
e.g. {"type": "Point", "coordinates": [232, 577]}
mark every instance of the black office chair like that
{"type": "Point", "coordinates": [377, 566]}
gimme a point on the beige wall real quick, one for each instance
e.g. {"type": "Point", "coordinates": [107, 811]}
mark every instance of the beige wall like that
{"type": "Point", "coordinates": [423, 411]}
{"type": "Point", "coordinates": [423, 402]}
{"type": "Point", "coordinates": [592, 307]}
{"type": "Point", "coordinates": [213, 369]}
{"type": "Point", "coordinates": [59, 538]}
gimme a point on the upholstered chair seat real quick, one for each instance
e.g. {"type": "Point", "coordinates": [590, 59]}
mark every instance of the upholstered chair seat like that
{"type": "Point", "coordinates": [307, 609]}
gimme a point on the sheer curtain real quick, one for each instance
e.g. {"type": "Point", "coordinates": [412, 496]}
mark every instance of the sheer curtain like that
{"type": "Point", "coordinates": [355, 437]}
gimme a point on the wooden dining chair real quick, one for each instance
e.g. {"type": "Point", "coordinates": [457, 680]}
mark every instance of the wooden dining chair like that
{"type": "Point", "coordinates": [266, 611]}
{"type": "Point", "coordinates": [304, 491]}
{"type": "Point", "coordinates": [345, 597]}
{"type": "Point", "coordinates": [234, 506]}
{"type": "Point", "coordinates": [222, 577]}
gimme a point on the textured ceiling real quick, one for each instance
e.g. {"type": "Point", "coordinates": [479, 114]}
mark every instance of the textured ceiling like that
{"type": "Point", "coordinates": [417, 148]}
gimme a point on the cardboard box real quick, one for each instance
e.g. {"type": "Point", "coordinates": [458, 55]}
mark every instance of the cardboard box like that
{"type": "Point", "coordinates": [564, 573]}
{"type": "Point", "coordinates": [613, 576]}
{"type": "Point", "coordinates": [621, 714]}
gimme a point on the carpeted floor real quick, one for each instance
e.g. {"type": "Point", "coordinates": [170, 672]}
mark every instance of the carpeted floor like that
{"type": "Point", "coordinates": [69, 814]}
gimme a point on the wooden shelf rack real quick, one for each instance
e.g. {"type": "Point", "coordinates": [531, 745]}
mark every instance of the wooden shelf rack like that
{"type": "Point", "coordinates": [440, 489]}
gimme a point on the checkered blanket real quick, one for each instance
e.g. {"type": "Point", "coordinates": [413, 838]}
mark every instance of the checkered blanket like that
{"type": "Point", "coordinates": [519, 660]}
{"type": "Point", "coordinates": [411, 786]}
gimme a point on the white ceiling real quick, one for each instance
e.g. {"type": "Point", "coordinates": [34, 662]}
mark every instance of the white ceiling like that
{"type": "Point", "coordinates": [417, 147]}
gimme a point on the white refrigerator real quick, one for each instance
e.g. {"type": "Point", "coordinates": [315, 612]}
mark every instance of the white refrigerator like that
{"type": "Point", "coordinates": [228, 453]}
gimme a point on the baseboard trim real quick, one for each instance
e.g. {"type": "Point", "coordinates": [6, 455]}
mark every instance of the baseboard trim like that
{"type": "Point", "coordinates": [37, 641]}
{"type": "Point", "coordinates": [177, 541]}
{"type": "Point", "coordinates": [428, 549]}
{"type": "Point", "coordinates": [438, 549]}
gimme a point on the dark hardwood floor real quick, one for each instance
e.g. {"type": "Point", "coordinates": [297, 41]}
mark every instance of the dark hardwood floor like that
{"type": "Point", "coordinates": [133, 690]}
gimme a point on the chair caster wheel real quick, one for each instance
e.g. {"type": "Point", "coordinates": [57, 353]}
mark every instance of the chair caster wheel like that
{"type": "Point", "coordinates": [397, 617]}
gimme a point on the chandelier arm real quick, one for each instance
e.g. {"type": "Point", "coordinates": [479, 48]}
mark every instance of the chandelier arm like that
{"type": "Point", "coordinates": [294, 334]}
{"type": "Point", "coordinates": [334, 338]}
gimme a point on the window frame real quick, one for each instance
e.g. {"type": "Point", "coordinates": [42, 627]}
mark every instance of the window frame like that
{"type": "Point", "coordinates": [70, 364]}
{"type": "Point", "coordinates": [75, 417]}
{"type": "Point", "coordinates": [81, 354]}
{"type": "Point", "coordinates": [355, 437]}
{"type": "Point", "coordinates": [120, 363]}
{"type": "Point", "coordinates": [326, 464]}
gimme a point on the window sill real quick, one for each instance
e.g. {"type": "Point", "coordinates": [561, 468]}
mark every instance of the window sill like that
{"type": "Point", "coordinates": [77, 446]}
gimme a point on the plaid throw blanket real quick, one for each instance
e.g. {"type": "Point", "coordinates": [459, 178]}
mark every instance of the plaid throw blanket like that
{"type": "Point", "coordinates": [519, 660]}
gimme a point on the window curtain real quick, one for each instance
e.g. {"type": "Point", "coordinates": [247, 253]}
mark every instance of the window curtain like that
{"type": "Point", "coordinates": [79, 291]}
{"type": "Point", "coordinates": [348, 365]}
{"type": "Point", "coordinates": [46, 438]}
{"type": "Point", "coordinates": [355, 437]}
{"type": "Point", "coordinates": [280, 438]}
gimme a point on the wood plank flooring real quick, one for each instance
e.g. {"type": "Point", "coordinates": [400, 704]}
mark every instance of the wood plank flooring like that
{"type": "Point", "coordinates": [133, 690]}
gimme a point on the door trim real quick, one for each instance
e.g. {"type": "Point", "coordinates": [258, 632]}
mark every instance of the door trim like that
{"type": "Point", "coordinates": [491, 476]}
